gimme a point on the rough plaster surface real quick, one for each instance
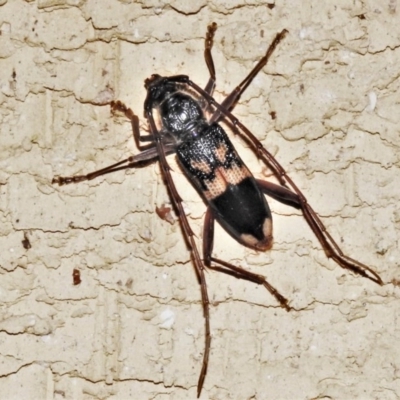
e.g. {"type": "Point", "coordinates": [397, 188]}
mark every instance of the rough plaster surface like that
{"type": "Point", "coordinates": [133, 328]}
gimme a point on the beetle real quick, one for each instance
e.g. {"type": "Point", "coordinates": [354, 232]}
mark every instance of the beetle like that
{"type": "Point", "coordinates": [185, 120]}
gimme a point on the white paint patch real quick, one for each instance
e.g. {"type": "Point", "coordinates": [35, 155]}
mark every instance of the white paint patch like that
{"type": "Point", "coordinates": [146, 235]}
{"type": "Point", "coordinates": [347, 56]}
{"type": "Point", "coordinates": [305, 33]}
{"type": "Point", "coordinates": [46, 339]}
{"type": "Point", "coordinates": [186, 209]}
{"type": "Point", "coordinates": [128, 370]}
{"type": "Point", "coordinates": [372, 101]}
{"type": "Point", "coordinates": [189, 331]}
{"type": "Point", "coordinates": [167, 318]}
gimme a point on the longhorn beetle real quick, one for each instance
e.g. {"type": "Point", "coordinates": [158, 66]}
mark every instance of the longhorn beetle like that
{"type": "Point", "coordinates": [184, 119]}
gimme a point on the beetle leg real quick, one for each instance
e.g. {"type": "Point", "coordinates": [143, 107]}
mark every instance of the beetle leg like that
{"type": "Point", "coordinates": [332, 250]}
{"type": "Point", "coordinates": [230, 269]}
{"type": "Point", "coordinates": [119, 106]}
{"type": "Point", "coordinates": [142, 159]}
{"type": "Point", "coordinates": [147, 156]}
{"type": "Point", "coordinates": [189, 238]}
{"type": "Point", "coordinates": [279, 193]}
{"type": "Point", "coordinates": [208, 237]}
{"type": "Point", "coordinates": [241, 273]}
{"type": "Point", "coordinates": [231, 100]}
{"type": "Point", "coordinates": [208, 44]}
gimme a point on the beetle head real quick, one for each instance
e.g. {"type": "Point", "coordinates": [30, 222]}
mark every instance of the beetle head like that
{"type": "Point", "coordinates": [158, 89]}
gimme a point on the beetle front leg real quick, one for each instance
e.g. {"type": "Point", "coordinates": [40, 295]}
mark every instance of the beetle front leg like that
{"type": "Point", "coordinates": [230, 101]}
{"type": "Point", "coordinates": [230, 269]}
{"type": "Point", "coordinates": [208, 57]}
{"type": "Point", "coordinates": [120, 106]}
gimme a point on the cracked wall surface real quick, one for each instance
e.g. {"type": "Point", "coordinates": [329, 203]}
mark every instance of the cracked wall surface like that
{"type": "Point", "coordinates": [327, 105]}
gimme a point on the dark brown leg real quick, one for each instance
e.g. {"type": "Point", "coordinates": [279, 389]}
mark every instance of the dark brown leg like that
{"type": "Point", "coordinates": [121, 107]}
{"type": "Point", "coordinates": [141, 159]}
{"type": "Point", "coordinates": [147, 156]}
{"type": "Point", "coordinates": [332, 250]}
{"type": "Point", "coordinates": [189, 238]}
{"type": "Point", "coordinates": [230, 269]}
{"type": "Point", "coordinates": [280, 193]}
{"type": "Point", "coordinates": [231, 100]}
{"type": "Point", "coordinates": [208, 57]}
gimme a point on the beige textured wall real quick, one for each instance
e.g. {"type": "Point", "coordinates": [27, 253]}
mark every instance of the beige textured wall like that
{"type": "Point", "coordinates": [133, 329]}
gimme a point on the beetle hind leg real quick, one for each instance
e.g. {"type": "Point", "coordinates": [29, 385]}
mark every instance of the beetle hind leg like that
{"type": "Point", "coordinates": [230, 269]}
{"type": "Point", "coordinates": [241, 273]}
{"type": "Point", "coordinates": [331, 248]}
{"type": "Point", "coordinates": [190, 241]}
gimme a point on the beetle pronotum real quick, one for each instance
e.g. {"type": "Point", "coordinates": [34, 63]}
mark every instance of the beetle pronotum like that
{"type": "Point", "coordinates": [185, 119]}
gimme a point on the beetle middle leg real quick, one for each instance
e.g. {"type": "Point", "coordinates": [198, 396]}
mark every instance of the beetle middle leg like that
{"type": "Point", "coordinates": [147, 156]}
